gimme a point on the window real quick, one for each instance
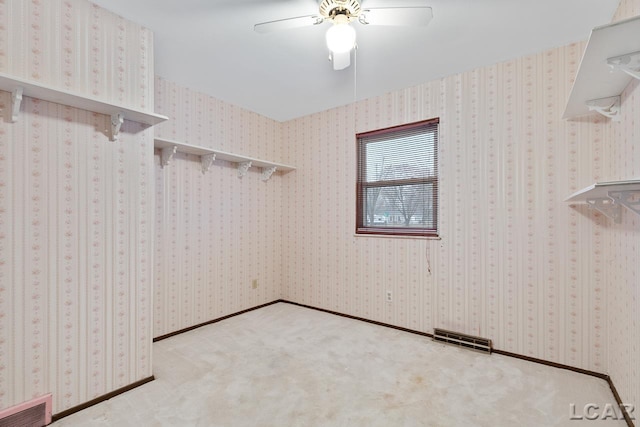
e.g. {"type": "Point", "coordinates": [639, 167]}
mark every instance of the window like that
{"type": "Point", "coordinates": [397, 183]}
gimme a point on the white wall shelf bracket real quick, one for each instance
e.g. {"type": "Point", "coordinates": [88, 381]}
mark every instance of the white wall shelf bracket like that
{"type": "Point", "coordinates": [608, 207]}
{"type": "Point", "coordinates": [117, 120]}
{"type": "Point", "coordinates": [610, 197]}
{"type": "Point", "coordinates": [243, 168]}
{"type": "Point", "coordinates": [16, 100]}
{"type": "Point", "coordinates": [629, 63]}
{"type": "Point", "coordinates": [629, 199]}
{"type": "Point", "coordinates": [166, 155]}
{"type": "Point", "coordinates": [608, 107]}
{"type": "Point", "coordinates": [267, 172]}
{"type": "Point", "coordinates": [207, 161]}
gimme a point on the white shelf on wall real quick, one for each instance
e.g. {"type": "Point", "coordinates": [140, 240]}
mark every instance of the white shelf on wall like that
{"type": "Point", "coordinates": [610, 197]}
{"type": "Point", "coordinates": [20, 87]}
{"type": "Point", "coordinates": [208, 155]}
{"type": "Point", "coordinates": [610, 61]}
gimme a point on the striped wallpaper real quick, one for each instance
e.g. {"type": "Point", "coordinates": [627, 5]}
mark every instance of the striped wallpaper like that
{"type": "Point", "coordinates": [514, 263]}
{"type": "Point", "coordinates": [621, 254]}
{"type": "Point", "coordinates": [77, 46]}
{"type": "Point", "coordinates": [76, 210]}
{"type": "Point", "coordinates": [215, 232]}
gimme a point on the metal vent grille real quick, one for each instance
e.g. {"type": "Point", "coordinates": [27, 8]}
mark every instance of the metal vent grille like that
{"type": "Point", "coordinates": [34, 413]}
{"type": "Point", "coordinates": [462, 340]}
{"type": "Point", "coordinates": [32, 417]}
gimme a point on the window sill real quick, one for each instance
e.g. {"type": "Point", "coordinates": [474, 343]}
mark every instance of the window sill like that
{"type": "Point", "coordinates": [392, 236]}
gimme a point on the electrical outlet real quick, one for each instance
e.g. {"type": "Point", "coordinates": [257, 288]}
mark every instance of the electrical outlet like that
{"type": "Point", "coordinates": [389, 296]}
{"type": "Point", "coordinates": [254, 284]}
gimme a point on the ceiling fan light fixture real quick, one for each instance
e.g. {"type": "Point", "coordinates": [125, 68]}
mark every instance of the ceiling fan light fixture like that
{"type": "Point", "coordinates": [341, 38]}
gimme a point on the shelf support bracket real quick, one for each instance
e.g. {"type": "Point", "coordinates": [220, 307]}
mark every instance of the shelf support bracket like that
{"type": "Point", "coordinates": [116, 123]}
{"type": "Point", "coordinates": [243, 168]}
{"type": "Point", "coordinates": [608, 107]}
{"type": "Point", "coordinates": [166, 155]}
{"type": "Point", "coordinates": [267, 172]}
{"type": "Point", "coordinates": [629, 63]}
{"type": "Point", "coordinates": [628, 199]}
{"type": "Point", "coordinates": [207, 161]}
{"type": "Point", "coordinates": [16, 100]}
{"type": "Point", "coordinates": [608, 207]}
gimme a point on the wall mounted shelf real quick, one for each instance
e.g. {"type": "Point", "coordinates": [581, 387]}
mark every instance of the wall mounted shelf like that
{"type": "Point", "coordinates": [169, 147]}
{"type": "Point", "coordinates": [610, 61]}
{"type": "Point", "coordinates": [20, 87]}
{"type": "Point", "coordinates": [610, 197]}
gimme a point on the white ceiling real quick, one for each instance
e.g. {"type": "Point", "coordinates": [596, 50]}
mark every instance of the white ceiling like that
{"type": "Point", "coordinates": [210, 46]}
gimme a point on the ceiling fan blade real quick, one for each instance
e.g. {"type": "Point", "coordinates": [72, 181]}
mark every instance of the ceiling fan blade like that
{"type": "Point", "coordinates": [397, 16]}
{"type": "Point", "coordinates": [288, 23]}
{"type": "Point", "coordinates": [341, 60]}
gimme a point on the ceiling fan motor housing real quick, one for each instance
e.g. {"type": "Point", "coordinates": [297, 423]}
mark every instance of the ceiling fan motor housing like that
{"type": "Point", "coordinates": [330, 9]}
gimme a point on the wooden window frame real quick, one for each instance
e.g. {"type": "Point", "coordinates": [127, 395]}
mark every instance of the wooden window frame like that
{"type": "Point", "coordinates": [361, 186]}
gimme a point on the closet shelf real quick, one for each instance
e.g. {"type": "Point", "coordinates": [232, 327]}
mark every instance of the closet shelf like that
{"type": "Point", "coordinates": [610, 61]}
{"type": "Point", "coordinates": [208, 155]}
{"type": "Point", "coordinates": [610, 197]}
{"type": "Point", "coordinates": [20, 87]}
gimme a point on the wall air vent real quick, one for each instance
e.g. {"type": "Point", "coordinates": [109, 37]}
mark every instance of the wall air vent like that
{"type": "Point", "coordinates": [462, 340]}
{"type": "Point", "coordinates": [34, 413]}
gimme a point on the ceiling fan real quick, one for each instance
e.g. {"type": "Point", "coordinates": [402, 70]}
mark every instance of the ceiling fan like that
{"type": "Point", "coordinates": [341, 36]}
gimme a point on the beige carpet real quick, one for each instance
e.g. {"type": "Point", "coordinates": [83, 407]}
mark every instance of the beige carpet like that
{"type": "Point", "coordinates": [284, 365]}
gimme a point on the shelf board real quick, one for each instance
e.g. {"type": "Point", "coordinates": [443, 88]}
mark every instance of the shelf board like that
{"type": "Point", "coordinates": [600, 190]}
{"type": "Point", "coordinates": [596, 79]}
{"type": "Point", "coordinates": [182, 147]}
{"type": "Point", "coordinates": [220, 155]}
{"type": "Point", "coordinates": [48, 93]}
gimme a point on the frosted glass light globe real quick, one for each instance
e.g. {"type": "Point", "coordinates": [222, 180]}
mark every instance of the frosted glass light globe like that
{"type": "Point", "coordinates": [341, 38]}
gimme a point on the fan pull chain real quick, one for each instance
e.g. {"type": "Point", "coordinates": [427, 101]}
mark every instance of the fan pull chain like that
{"type": "Point", "coordinates": [355, 74]}
{"type": "Point", "coordinates": [354, 108]}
